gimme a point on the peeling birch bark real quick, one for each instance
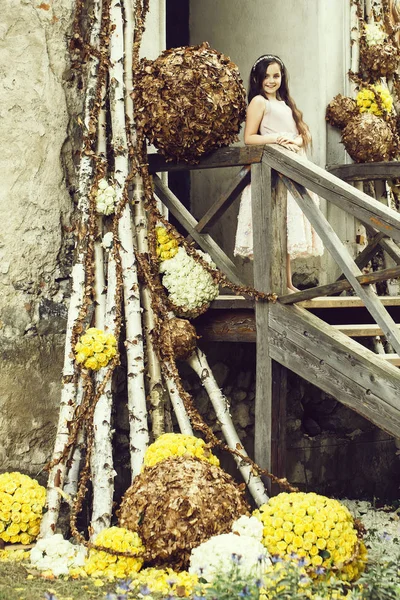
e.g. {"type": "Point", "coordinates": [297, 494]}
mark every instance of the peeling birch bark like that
{"type": "Point", "coordinates": [137, 410]}
{"type": "Point", "coordinates": [179, 407]}
{"type": "Point", "coordinates": [68, 393]}
{"type": "Point", "coordinates": [199, 364]}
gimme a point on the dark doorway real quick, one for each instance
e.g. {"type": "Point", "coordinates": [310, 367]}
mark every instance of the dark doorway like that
{"type": "Point", "coordinates": [177, 34]}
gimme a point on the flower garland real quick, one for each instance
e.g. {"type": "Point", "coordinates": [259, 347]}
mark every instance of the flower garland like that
{"type": "Point", "coordinates": [102, 564]}
{"type": "Point", "coordinates": [178, 444]}
{"type": "Point", "coordinates": [57, 556]}
{"type": "Point", "coordinates": [188, 284]}
{"type": "Point", "coordinates": [21, 504]}
{"type": "Point", "coordinates": [366, 100]}
{"type": "Point", "coordinates": [105, 198]}
{"type": "Point", "coordinates": [95, 349]}
{"type": "Point", "coordinates": [313, 527]}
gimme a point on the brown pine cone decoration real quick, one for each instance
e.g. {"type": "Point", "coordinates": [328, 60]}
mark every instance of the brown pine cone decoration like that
{"type": "Point", "coordinates": [178, 504]}
{"type": "Point", "coordinates": [368, 138]}
{"type": "Point", "coordinates": [182, 335]}
{"type": "Point", "coordinates": [189, 101]}
{"type": "Point", "coordinates": [340, 110]}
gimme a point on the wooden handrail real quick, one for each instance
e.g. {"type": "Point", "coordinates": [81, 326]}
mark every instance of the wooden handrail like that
{"type": "Point", "coordinates": [366, 171]}
{"type": "Point", "coordinates": [232, 156]}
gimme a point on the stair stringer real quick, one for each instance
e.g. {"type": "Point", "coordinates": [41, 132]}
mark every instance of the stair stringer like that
{"type": "Point", "coordinates": [336, 364]}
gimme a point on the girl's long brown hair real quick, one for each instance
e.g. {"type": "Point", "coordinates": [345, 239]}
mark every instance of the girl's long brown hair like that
{"type": "Point", "coordinates": [257, 76]}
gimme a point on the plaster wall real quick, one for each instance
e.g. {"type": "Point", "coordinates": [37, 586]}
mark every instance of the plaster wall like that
{"type": "Point", "coordinates": [311, 37]}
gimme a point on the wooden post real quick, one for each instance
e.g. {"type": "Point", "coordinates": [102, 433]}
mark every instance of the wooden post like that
{"type": "Point", "coordinates": [270, 249]}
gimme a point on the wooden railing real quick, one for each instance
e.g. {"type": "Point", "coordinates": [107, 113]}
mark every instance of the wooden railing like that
{"type": "Point", "coordinates": [289, 336]}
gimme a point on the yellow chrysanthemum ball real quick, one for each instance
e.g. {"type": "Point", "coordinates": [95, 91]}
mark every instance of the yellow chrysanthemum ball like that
{"type": "Point", "coordinates": [21, 504]}
{"type": "Point", "coordinates": [366, 100]}
{"type": "Point", "coordinates": [178, 444]}
{"type": "Point", "coordinates": [167, 245]}
{"type": "Point", "coordinates": [102, 564]}
{"type": "Point", "coordinates": [313, 527]}
{"type": "Point", "coordinates": [167, 582]}
{"type": "Point", "coordinates": [95, 349]}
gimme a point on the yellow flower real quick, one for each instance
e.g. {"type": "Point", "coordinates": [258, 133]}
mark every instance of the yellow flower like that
{"type": "Point", "coordinates": [91, 363]}
{"type": "Point", "coordinates": [102, 564]}
{"type": "Point", "coordinates": [178, 444]}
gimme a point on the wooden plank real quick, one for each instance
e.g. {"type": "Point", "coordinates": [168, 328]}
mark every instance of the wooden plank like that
{"type": "Point", "coordinates": [340, 286]}
{"type": "Point", "coordinates": [346, 302]}
{"type": "Point", "coordinates": [335, 190]}
{"type": "Point", "coordinates": [232, 301]}
{"type": "Point", "coordinates": [368, 253]}
{"type": "Point", "coordinates": [366, 171]}
{"type": "Point", "coordinates": [343, 259]}
{"type": "Point", "coordinates": [338, 365]}
{"type": "Point", "coordinates": [231, 156]}
{"type": "Point", "coordinates": [393, 359]}
{"type": "Point", "coordinates": [387, 244]}
{"type": "Point", "coordinates": [269, 237]}
{"type": "Point", "coordinates": [366, 330]}
{"type": "Point", "coordinates": [205, 241]}
{"type": "Point", "coordinates": [278, 423]}
{"type": "Point", "coordinates": [236, 187]}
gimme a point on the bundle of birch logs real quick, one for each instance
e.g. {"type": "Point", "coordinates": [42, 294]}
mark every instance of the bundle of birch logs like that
{"type": "Point", "coordinates": [115, 288]}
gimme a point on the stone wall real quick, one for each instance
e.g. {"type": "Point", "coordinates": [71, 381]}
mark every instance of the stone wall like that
{"type": "Point", "coordinates": [34, 237]}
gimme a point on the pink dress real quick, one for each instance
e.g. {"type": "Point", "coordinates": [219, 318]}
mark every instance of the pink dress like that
{"type": "Point", "coordinates": [302, 241]}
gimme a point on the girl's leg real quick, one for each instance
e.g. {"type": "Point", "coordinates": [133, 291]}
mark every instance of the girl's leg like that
{"type": "Point", "coordinates": [290, 285]}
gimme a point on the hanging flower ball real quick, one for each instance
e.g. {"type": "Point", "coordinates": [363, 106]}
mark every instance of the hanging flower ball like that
{"type": "Point", "coordinates": [21, 504]}
{"type": "Point", "coordinates": [182, 335]}
{"type": "Point", "coordinates": [379, 60]}
{"type": "Point", "coordinates": [366, 100]}
{"type": "Point", "coordinates": [178, 504]}
{"type": "Point", "coordinates": [310, 526]}
{"type": "Point", "coordinates": [95, 349]}
{"type": "Point", "coordinates": [167, 245]}
{"type": "Point", "coordinates": [340, 110]}
{"type": "Point", "coordinates": [178, 444]}
{"type": "Point", "coordinates": [105, 198]}
{"type": "Point", "coordinates": [190, 287]}
{"type": "Point", "coordinates": [368, 138]}
{"type": "Point", "coordinates": [189, 101]}
{"type": "Point", "coordinates": [102, 564]}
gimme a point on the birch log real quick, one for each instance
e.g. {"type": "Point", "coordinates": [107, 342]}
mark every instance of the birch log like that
{"type": "Point", "coordinates": [102, 467]}
{"type": "Point", "coordinates": [155, 383]}
{"type": "Point", "coordinates": [68, 392]}
{"type": "Point", "coordinates": [199, 364]}
{"type": "Point", "coordinates": [178, 406]}
{"type": "Point", "coordinates": [139, 435]}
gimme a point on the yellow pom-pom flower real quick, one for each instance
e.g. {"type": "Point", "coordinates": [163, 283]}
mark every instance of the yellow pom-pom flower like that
{"type": "Point", "coordinates": [323, 532]}
{"type": "Point", "coordinates": [21, 504]}
{"type": "Point", "coordinates": [102, 564]}
{"type": "Point", "coordinates": [178, 444]}
{"type": "Point", "coordinates": [95, 349]}
{"type": "Point", "coordinates": [167, 245]}
{"type": "Point", "coordinates": [166, 582]}
{"type": "Point", "coordinates": [367, 102]}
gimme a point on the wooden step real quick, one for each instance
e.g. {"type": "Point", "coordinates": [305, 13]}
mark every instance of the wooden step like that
{"type": "Point", "coordinates": [370, 330]}
{"type": "Point", "coordinates": [393, 359]}
{"type": "Point", "coordinates": [233, 301]}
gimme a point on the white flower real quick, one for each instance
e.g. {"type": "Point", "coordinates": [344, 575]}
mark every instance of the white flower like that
{"type": "Point", "coordinates": [105, 198]}
{"type": "Point", "coordinates": [374, 34]}
{"type": "Point", "coordinates": [223, 553]}
{"type": "Point", "coordinates": [250, 526]}
{"type": "Point", "coordinates": [188, 283]}
{"type": "Point", "coordinates": [58, 555]}
{"type": "Point", "coordinates": [382, 526]}
{"type": "Point", "coordinates": [107, 240]}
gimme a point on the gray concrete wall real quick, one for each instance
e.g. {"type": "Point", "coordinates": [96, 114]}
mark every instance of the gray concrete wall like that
{"type": "Point", "coordinates": [311, 37]}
